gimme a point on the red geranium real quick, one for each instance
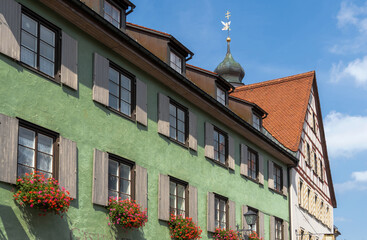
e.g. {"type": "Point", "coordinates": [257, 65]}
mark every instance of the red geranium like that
{"type": "Point", "coordinates": [223, 234]}
{"type": "Point", "coordinates": [254, 236]}
{"type": "Point", "coordinates": [183, 228]}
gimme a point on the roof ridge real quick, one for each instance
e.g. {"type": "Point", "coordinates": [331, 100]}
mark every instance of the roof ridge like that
{"type": "Point", "coordinates": [150, 29]}
{"type": "Point", "coordinates": [201, 69]}
{"type": "Point", "coordinates": [274, 81]}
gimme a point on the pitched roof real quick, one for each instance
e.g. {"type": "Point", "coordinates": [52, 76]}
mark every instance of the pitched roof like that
{"type": "Point", "coordinates": [286, 100]}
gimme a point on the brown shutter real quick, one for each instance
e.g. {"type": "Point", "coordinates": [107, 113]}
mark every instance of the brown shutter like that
{"type": "Point", "coordinates": [141, 102]}
{"type": "Point", "coordinates": [68, 163]}
{"type": "Point", "coordinates": [244, 223]}
{"type": "Point", "coordinates": [261, 225]}
{"type": "Point", "coordinates": [261, 169]}
{"type": "Point", "coordinates": [272, 228]}
{"type": "Point", "coordinates": [100, 178]}
{"type": "Point", "coordinates": [211, 213]}
{"type": "Point", "coordinates": [209, 140]}
{"type": "Point", "coordinates": [69, 61]}
{"type": "Point", "coordinates": [8, 148]}
{"type": "Point", "coordinates": [163, 201]}
{"type": "Point", "coordinates": [163, 114]}
{"type": "Point", "coordinates": [193, 131]}
{"type": "Point", "coordinates": [193, 203]}
{"type": "Point", "coordinates": [271, 175]}
{"type": "Point", "coordinates": [10, 22]}
{"type": "Point", "coordinates": [285, 181]}
{"type": "Point", "coordinates": [231, 215]}
{"type": "Point", "coordinates": [244, 160]}
{"type": "Point", "coordinates": [141, 187]}
{"type": "Point", "coordinates": [286, 230]}
{"type": "Point", "coordinates": [100, 80]}
{"type": "Point", "coordinates": [231, 161]}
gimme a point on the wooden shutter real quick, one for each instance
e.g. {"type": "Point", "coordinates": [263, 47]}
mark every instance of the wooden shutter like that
{"type": "Point", "coordinates": [299, 193]}
{"type": "Point", "coordinates": [68, 163]}
{"type": "Point", "coordinates": [163, 201]}
{"type": "Point", "coordinates": [163, 114]}
{"type": "Point", "coordinates": [285, 181]}
{"type": "Point", "coordinates": [8, 147]}
{"type": "Point", "coordinates": [193, 203]}
{"type": "Point", "coordinates": [100, 79]}
{"type": "Point", "coordinates": [261, 169]}
{"type": "Point", "coordinates": [69, 61]}
{"type": "Point", "coordinates": [193, 131]}
{"type": "Point", "coordinates": [286, 230]}
{"type": "Point", "coordinates": [210, 213]}
{"type": "Point", "coordinates": [141, 187]}
{"type": "Point", "coordinates": [209, 140]}
{"type": "Point", "coordinates": [244, 223]}
{"type": "Point", "coordinates": [231, 161]}
{"type": "Point", "coordinates": [261, 225]}
{"type": "Point", "coordinates": [271, 175]}
{"type": "Point", "coordinates": [244, 160]}
{"type": "Point", "coordinates": [272, 228]}
{"type": "Point", "coordinates": [141, 102]}
{"type": "Point", "coordinates": [100, 178]}
{"type": "Point", "coordinates": [10, 22]}
{"type": "Point", "coordinates": [232, 215]}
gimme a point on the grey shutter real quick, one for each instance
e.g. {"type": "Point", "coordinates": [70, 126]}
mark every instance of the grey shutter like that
{"type": "Point", "coordinates": [100, 178]}
{"type": "Point", "coordinates": [209, 140]}
{"type": "Point", "coordinates": [69, 61]}
{"type": "Point", "coordinates": [232, 215]}
{"type": "Point", "coordinates": [244, 223]}
{"type": "Point", "coordinates": [285, 181]}
{"type": "Point", "coordinates": [244, 160]}
{"type": "Point", "coordinates": [261, 169]}
{"type": "Point", "coordinates": [193, 130]}
{"type": "Point", "coordinates": [141, 102]}
{"type": "Point", "coordinates": [231, 161]}
{"type": "Point", "coordinates": [261, 225]}
{"type": "Point", "coordinates": [163, 114]}
{"type": "Point", "coordinates": [193, 203]}
{"type": "Point", "coordinates": [286, 230]}
{"type": "Point", "coordinates": [68, 162]}
{"type": "Point", "coordinates": [8, 148]}
{"type": "Point", "coordinates": [272, 228]}
{"type": "Point", "coordinates": [210, 213]}
{"type": "Point", "coordinates": [163, 201]}
{"type": "Point", "coordinates": [141, 187]}
{"type": "Point", "coordinates": [100, 79]}
{"type": "Point", "coordinates": [10, 22]}
{"type": "Point", "coordinates": [271, 175]}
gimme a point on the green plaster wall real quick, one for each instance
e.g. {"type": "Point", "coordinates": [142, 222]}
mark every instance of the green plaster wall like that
{"type": "Point", "coordinates": [74, 115]}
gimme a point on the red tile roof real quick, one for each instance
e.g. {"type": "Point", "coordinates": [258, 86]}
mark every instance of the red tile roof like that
{"type": "Point", "coordinates": [149, 29]}
{"type": "Point", "coordinates": [286, 101]}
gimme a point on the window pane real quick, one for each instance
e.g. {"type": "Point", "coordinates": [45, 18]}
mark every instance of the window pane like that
{"type": "Point", "coordinates": [181, 204]}
{"type": "Point", "coordinates": [172, 110]}
{"type": "Point", "coordinates": [181, 191]}
{"type": "Point", "coordinates": [44, 162]}
{"type": "Point", "coordinates": [172, 188]}
{"type": "Point", "coordinates": [114, 102]}
{"type": "Point", "coordinates": [172, 201]}
{"type": "Point", "coordinates": [112, 183]}
{"type": "Point", "coordinates": [181, 115]}
{"type": "Point", "coordinates": [28, 57]}
{"type": "Point", "coordinates": [125, 95]}
{"type": "Point", "coordinates": [113, 167]}
{"type": "Point", "coordinates": [47, 51]}
{"type": "Point", "coordinates": [125, 171]}
{"type": "Point", "coordinates": [112, 194]}
{"type": "Point", "coordinates": [172, 132]}
{"type": "Point", "coordinates": [123, 196]}
{"type": "Point", "coordinates": [47, 35]}
{"type": "Point", "coordinates": [125, 186]}
{"type": "Point", "coordinates": [22, 170]}
{"type": "Point", "coordinates": [27, 137]}
{"type": "Point", "coordinates": [181, 137]}
{"type": "Point", "coordinates": [125, 108]}
{"type": "Point", "coordinates": [29, 24]}
{"type": "Point", "coordinates": [29, 41]}
{"type": "Point", "coordinates": [26, 156]}
{"type": "Point", "coordinates": [172, 121]}
{"type": "Point", "coordinates": [125, 82]}
{"type": "Point", "coordinates": [46, 66]}
{"type": "Point", "coordinates": [181, 126]}
{"type": "Point", "coordinates": [45, 144]}
{"type": "Point", "coordinates": [114, 76]}
{"type": "Point", "coordinates": [113, 88]}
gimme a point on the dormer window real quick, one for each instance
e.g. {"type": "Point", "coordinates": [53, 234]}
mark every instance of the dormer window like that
{"type": "Point", "coordinates": [221, 96]}
{"type": "Point", "coordinates": [176, 62]}
{"type": "Point", "coordinates": [112, 14]}
{"type": "Point", "coordinates": [256, 121]}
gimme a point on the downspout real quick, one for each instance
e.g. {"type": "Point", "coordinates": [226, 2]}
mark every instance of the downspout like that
{"type": "Point", "coordinates": [290, 203]}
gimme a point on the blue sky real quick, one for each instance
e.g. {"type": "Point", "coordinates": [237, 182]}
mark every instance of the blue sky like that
{"type": "Point", "coordinates": [273, 39]}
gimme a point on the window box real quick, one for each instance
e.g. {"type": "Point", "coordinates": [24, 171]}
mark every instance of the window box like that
{"type": "Point", "coordinates": [183, 228]}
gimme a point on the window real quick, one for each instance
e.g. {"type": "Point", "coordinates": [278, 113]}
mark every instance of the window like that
{"type": "Point", "coordinates": [308, 199]}
{"type": "Point", "coordinates": [36, 150]}
{"type": "Point", "coordinates": [308, 156]}
{"type": "Point", "coordinates": [175, 62]}
{"type": "Point", "coordinates": [221, 95]}
{"type": "Point", "coordinates": [177, 197]}
{"type": "Point", "coordinates": [315, 162]}
{"type": "Point", "coordinates": [314, 122]}
{"type": "Point", "coordinates": [121, 91]}
{"type": "Point", "coordinates": [302, 235]}
{"type": "Point", "coordinates": [322, 211]}
{"type": "Point", "coordinates": [39, 44]}
{"type": "Point", "coordinates": [253, 161]}
{"type": "Point", "coordinates": [321, 171]}
{"type": "Point", "coordinates": [278, 178]}
{"type": "Point", "coordinates": [220, 146]}
{"type": "Point", "coordinates": [112, 14]}
{"type": "Point", "coordinates": [119, 177]}
{"type": "Point", "coordinates": [177, 122]}
{"type": "Point", "coordinates": [256, 121]}
{"type": "Point", "coordinates": [300, 195]}
{"type": "Point", "coordinates": [220, 204]}
{"type": "Point", "coordinates": [278, 229]}
{"type": "Point", "coordinates": [315, 213]}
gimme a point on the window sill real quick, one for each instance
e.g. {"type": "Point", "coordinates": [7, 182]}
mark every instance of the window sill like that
{"type": "Point", "coordinates": [132, 118]}
{"type": "Point", "coordinates": [252, 179]}
{"type": "Point", "coordinates": [185, 145]}
{"type": "Point", "coordinates": [55, 79]}
{"type": "Point", "coordinates": [277, 192]}
{"type": "Point", "coordinates": [218, 163]}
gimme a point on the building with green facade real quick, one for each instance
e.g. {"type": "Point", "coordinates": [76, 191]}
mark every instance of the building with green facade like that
{"type": "Point", "coordinates": [110, 108]}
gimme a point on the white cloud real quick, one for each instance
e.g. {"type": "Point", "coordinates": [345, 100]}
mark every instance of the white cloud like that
{"type": "Point", "coordinates": [356, 71]}
{"type": "Point", "coordinates": [358, 183]}
{"type": "Point", "coordinates": [360, 176]}
{"type": "Point", "coordinates": [345, 134]}
{"type": "Point", "coordinates": [351, 14]}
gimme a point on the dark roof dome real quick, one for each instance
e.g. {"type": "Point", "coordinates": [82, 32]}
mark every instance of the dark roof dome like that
{"type": "Point", "coordinates": [229, 69]}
